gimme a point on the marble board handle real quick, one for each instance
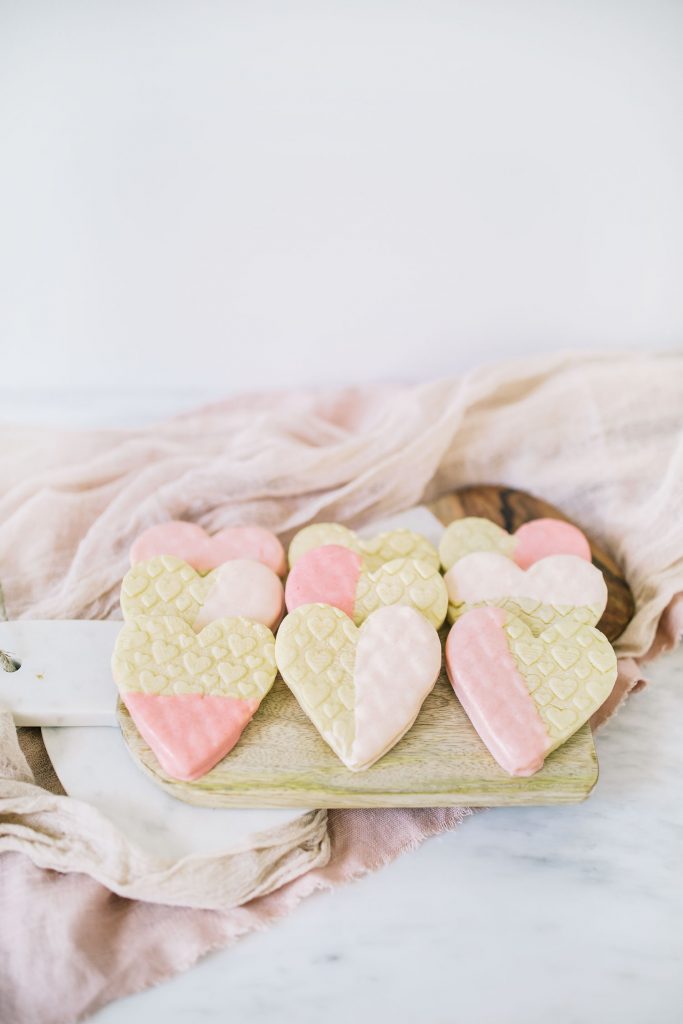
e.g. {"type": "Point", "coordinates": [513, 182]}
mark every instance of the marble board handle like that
{"type": "Point", "coordinates": [64, 674]}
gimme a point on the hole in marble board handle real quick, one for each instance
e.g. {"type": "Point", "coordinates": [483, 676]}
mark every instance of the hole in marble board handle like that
{"type": "Point", "coordinates": [8, 663]}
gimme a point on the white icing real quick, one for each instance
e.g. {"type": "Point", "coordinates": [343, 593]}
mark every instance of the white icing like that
{"type": "Point", "coordinates": [398, 660]}
{"type": "Point", "coordinates": [556, 580]}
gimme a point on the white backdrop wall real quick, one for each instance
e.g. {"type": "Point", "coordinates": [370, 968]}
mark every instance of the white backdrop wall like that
{"type": "Point", "coordinates": [218, 196]}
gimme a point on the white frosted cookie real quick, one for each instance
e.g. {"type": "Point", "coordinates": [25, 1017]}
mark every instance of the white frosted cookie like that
{"type": "Point", "coordinates": [558, 587]}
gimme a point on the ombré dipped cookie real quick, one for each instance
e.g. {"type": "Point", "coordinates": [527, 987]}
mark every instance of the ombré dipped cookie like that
{"type": "Point", "coordinates": [532, 541]}
{"type": "Point", "coordinates": [166, 585]}
{"type": "Point", "coordinates": [526, 695]}
{"type": "Point", "coordinates": [336, 575]}
{"type": "Point", "coordinates": [560, 587]}
{"type": "Point", "coordinates": [375, 551]}
{"type": "Point", "coordinates": [191, 695]}
{"type": "Point", "coordinates": [203, 551]}
{"type": "Point", "coordinates": [361, 688]}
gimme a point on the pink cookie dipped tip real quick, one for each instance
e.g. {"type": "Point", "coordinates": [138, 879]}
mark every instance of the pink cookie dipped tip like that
{"type": "Point", "coordinates": [494, 695]}
{"type": "Point", "coordinates": [246, 589]}
{"type": "Point", "coordinates": [203, 552]}
{"type": "Point", "coordinates": [189, 733]}
{"type": "Point", "coordinates": [325, 575]}
{"type": "Point", "coordinates": [540, 538]}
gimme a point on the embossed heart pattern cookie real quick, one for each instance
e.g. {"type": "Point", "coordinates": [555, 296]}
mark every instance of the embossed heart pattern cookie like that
{"type": "Point", "coordinates": [526, 695]}
{"type": "Point", "coordinates": [166, 585]}
{"type": "Point", "coordinates": [560, 586]}
{"type": "Point", "coordinates": [192, 694]}
{"type": "Point", "coordinates": [361, 688]}
{"type": "Point", "coordinates": [530, 542]}
{"type": "Point", "coordinates": [336, 576]}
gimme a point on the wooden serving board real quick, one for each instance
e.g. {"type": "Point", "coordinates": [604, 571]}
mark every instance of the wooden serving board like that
{"type": "Point", "coordinates": [281, 761]}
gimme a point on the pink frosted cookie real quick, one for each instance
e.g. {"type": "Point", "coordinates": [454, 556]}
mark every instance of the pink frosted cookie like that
{"type": "Point", "coordinates": [190, 694]}
{"type": "Point", "coordinates": [526, 695]}
{"type": "Point", "coordinates": [532, 541]}
{"type": "Point", "coordinates": [560, 586]}
{"type": "Point", "coordinates": [166, 585]}
{"type": "Point", "coordinates": [203, 552]}
{"type": "Point", "coordinates": [337, 576]}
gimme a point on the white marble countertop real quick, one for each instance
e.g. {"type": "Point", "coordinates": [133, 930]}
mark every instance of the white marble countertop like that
{"type": "Point", "coordinates": [520, 916]}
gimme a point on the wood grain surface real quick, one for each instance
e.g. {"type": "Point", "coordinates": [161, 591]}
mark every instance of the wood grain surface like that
{"type": "Point", "coordinates": [281, 760]}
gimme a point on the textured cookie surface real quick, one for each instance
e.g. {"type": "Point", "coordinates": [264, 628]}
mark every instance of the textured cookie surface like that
{"type": "Point", "coordinates": [163, 655]}
{"type": "Point", "coordinates": [465, 536]}
{"type": "Point", "coordinates": [526, 695]}
{"type": "Point", "coordinates": [191, 694]}
{"type": "Point", "coordinates": [375, 551]}
{"type": "Point", "coordinates": [534, 540]}
{"type": "Point", "coordinates": [335, 575]}
{"type": "Point", "coordinates": [404, 581]}
{"type": "Point", "coordinates": [204, 552]}
{"type": "Point", "coordinates": [557, 587]}
{"type": "Point", "coordinates": [166, 585]}
{"type": "Point", "coordinates": [361, 688]}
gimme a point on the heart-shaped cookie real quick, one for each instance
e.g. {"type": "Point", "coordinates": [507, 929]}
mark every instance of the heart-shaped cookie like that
{"type": "Point", "coordinates": [204, 552]}
{"type": "Point", "coordinates": [558, 587]}
{"type": "Point", "coordinates": [165, 585]}
{"type": "Point", "coordinates": [526, 695]}
{"type": "Point", "coordinates": [335, 575]}
{"type": "Point", "coordinates": [534, 540]}
{"type": "Point", "coordinates": [361, 688]}
{"type": "Point", "coordinates": [385, 547]}
{"type": "Point", "coordinates": [192, 694]}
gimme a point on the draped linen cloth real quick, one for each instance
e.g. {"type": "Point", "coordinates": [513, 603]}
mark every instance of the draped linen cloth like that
{"type": "Point", "coordinates": [599, 436]}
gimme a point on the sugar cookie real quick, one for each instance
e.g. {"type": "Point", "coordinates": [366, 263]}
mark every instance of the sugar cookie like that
{"type": "Point", "coordinates": [361, 688]}
{"type": "Point", "coordinates": [165, 585]}
{"type": "Point", "coordinates": [192, 694]}
{"type": "Point", "coordinates": [335, 575]}
{"type": "Point", "coordinates": [526, 695]}
{"type": "Point", "coordinates": [204, 552]}
{"type": "Point", "coordinates": [385, 547]}
{"type": "Point", "coordinates": [560, 586]}
{"type": "Point", "coordinates": [534, 540]}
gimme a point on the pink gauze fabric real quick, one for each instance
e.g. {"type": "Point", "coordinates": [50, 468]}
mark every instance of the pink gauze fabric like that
{"type": "Point", "coordinates": [599, 436]}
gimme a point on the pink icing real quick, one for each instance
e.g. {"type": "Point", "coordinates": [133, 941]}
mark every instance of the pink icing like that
{"type": "Point", "coordinates": [325, 575]}
{"type": "Point", "coordinates": [189, 733]}
{"type": "Point", "coordinates": [542, 537]}
{"type": "Point", "coordinates": [491, 690]}
{"type": "Point", "coordinates": [203, 552]}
